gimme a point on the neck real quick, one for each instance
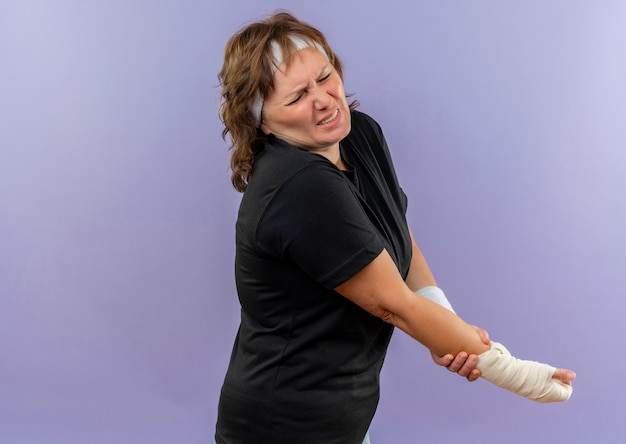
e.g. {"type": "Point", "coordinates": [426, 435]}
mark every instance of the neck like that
{"type": "Point", "coordinates": [333, 154]}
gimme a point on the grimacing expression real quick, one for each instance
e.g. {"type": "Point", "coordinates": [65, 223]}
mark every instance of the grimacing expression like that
{"type": "Point", "coordinates": [307, 106]}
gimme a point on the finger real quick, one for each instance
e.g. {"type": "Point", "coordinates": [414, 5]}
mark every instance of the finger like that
{"type": "Point", "coordinates": [468, 365]}
{"type": "Point", "coordinates": [474, 375]}
{"type": "Point", "coordinates": [484, 335]}
{"type": "Point", "coordinates": [458, 362]}
{"type": "Point", "coordinates": [444, 360]}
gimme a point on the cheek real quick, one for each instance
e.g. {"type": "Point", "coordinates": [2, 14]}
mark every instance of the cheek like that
{"type": "Point", "coordinates": [299, 114]}
{"type": "Point", "coordinates": [292, 119]}
{"type": "Point", "coordinates": [340, 92]}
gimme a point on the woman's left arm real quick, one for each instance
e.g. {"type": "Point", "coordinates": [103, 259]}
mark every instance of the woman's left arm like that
{"type": "Point", "coordinates": [420, 276]}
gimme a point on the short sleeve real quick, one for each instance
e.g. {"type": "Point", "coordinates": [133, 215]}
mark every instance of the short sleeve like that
{"type": "Point", "coordinates": [317, 221]}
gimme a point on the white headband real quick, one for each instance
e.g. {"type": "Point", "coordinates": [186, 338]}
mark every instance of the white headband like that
{"type": "Point", "coordinates": [299, 43]}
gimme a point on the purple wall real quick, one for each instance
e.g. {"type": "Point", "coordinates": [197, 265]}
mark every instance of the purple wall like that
{"type": "Point", "coordinates": [117, 300]}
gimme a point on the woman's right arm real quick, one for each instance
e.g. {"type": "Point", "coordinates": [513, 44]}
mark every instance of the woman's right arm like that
{"type": "Point", "coordinates": [379, 289]}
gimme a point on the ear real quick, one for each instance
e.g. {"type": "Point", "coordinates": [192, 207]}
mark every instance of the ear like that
{"type": "Point", "coordinates": [265, 129]}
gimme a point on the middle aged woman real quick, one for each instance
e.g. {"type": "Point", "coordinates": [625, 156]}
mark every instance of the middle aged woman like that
{"type": "Point", "coordinates": [326, 265]}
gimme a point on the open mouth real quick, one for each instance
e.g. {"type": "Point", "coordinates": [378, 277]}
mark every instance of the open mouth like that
{"type": "Point", "coordinates": [330, 119]}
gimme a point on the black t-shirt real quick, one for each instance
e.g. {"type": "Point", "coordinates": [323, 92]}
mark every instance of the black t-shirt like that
{"type": "Point", "coordinates": [306, 362]}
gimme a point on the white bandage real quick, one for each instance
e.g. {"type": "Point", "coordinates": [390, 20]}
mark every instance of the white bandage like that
{"type": "Point", "coordinates": [530, 379]}
{"type": "Point", "coordinates": [436, 295]}
{"type": "Point", "coordinates": [299, 43]}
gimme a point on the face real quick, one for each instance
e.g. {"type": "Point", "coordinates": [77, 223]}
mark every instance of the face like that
{"type": "Point", "coordinates": [308, 106]}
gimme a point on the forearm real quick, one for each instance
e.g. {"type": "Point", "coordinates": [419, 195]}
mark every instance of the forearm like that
{"type": "Point", "coordinates": [379, 289]}
{"type": "Point", "coordinates": [420, 275]}
{"type": "Point", "coordinates": [436, 327]}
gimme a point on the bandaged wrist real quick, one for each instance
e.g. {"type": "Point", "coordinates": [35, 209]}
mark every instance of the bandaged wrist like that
{"type": "Point", "coordinates": [530, 379]}
{"type": "Point", "coordinates": [436, 295]}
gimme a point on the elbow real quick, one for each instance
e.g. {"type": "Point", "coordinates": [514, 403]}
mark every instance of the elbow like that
{"type": "Point", "coordinates": [387, 316]}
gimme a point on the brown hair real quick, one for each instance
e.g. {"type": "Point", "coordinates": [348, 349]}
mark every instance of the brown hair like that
{"type": "Point", "coordinates": [247, 71]}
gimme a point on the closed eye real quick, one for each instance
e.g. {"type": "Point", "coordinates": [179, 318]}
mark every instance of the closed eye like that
{"type": "Point", "coordinates": [323, 79]}
{"type": "Point", "coordinates": [303, 92]}
{"type": "Point", "coordinates": [297, 99]}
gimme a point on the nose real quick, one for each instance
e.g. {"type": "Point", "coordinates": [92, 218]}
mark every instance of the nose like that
{"type": "Point", "coordinates": [322, 99]}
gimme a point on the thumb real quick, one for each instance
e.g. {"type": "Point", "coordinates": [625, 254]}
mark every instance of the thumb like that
{"type": "Point", "coordinates": [564, 375]}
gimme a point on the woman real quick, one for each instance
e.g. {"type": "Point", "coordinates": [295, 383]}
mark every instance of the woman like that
{"type": "Point", "coordinates": [326, 265]}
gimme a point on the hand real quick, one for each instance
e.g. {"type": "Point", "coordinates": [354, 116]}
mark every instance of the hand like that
{"type": "Point", "coordinates": [464, 364]}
